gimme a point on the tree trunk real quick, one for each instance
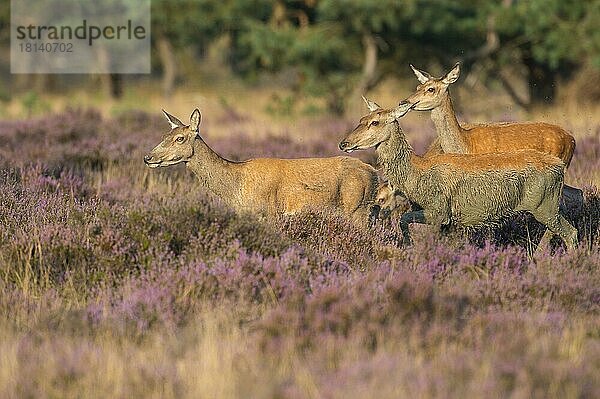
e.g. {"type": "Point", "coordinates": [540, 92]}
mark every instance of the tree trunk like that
{"type": "Point", "coordinates": [116, 85]}
{"type": "Point", "coordinates": [111, 83]}
{"type": "Point", "coordinates": [167, 59]}
{"type": "Point", "coordinates": [512, 92]}
{"type": "Point", "coordinates": [369, 76]}
{"type": "Point", "coordinates": [542, 82]}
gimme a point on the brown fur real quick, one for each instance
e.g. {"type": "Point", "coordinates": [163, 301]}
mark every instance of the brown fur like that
{"type": "Point", "coordinates": [289, 185]}
{"type": "Point", "coordinates": [517, 159]}
{"type": "Point", "coordinates": [432, 95]}
{"type": "Point", "coordinates": [472, 190]}
{"type": "Point", "coordinates": [511, 137]}
{"type": "Point", "coordinates": [474, 162]}
{"type": "Point", "coordinates": [270, 185]}
{"type": "Point", "coordinates": [392, 203]}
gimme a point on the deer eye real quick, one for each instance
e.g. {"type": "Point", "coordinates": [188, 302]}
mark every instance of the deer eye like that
{"type": "Point", "coordinates": [374, 123]}
{"type": "Point", "coordinates": [431, 90]}
{"type": "Point", "coordinates": [180, 139]}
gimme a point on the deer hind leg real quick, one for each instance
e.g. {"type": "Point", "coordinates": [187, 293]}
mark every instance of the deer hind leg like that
{"type": "Point", "coordinates": [571, 201]}
{"type": "Point", "coordinates": [358, 202]}
{"type": "Point", "coordinates": [549, 215]}
{"type": "Point", "coordinates": [566, 231]}
{"type": "Point", "coordinates": [362, 217]}
{"type": "Point", "coordinates": [558, 225]}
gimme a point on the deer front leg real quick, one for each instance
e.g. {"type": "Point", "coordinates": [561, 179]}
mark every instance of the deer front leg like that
{"type": "Point", "coordinates": [406, 219]}
{"type": "Point", "coordinates": [422, 217]}
{"type": "Point", "coordinates": [374, 214]}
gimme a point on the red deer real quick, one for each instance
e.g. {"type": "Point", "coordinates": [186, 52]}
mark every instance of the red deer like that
{"type": "Point", "coordinates": [269, 185]}
{"type": "Point", "coordinates": [472, 190]}
{"type": "Point", "coordinates": [392, 203]}
{"type": "Point", "coordinates": [432, 95]}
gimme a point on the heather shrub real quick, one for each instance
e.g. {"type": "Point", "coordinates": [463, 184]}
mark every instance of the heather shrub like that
{"type": "Point", "coordinates": [331, 236]}
{"type": "Point", "coordinates": [588, 224]}
{"type": "Point", "coordinates": [586, 160]}
{"type": "Point", "coordinates": [361, 306]}
{"type": "Point", "coordinates": [76, 139]}
{"type": "Point", "coordinates": [117, 280]}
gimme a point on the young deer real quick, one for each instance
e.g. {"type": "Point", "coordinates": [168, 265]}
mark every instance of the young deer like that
{"type": "Point", "coordinates": [472, 190]}
{"type": "Point", "coordinates": [432, 95]}
{"type": "Point", "coordinates": [392, 203]}
{"type": "Point", "coordinates": [269, 185]}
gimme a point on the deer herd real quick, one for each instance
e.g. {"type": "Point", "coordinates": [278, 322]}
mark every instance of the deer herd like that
{"type": "Point", "coordinates": [472, 175]}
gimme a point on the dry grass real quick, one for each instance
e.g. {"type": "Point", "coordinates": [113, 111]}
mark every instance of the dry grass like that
{"type": "Point", "coordinates": [120, 281]}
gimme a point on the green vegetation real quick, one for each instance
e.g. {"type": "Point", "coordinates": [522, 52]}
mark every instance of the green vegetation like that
{"type": "Point", "coordinates": [334, 49]}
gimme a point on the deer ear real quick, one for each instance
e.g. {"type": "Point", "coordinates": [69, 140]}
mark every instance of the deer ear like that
{"type": "Point", "coordinates": [372, 105]}
{"type": "Point", "coordinates": [452, 75]}
{"type": "Point", "coordinates": [174, 122]}
{"type": "Point", "coordinates": [401, 110]}
{"type": "Point", "coordinates": [195, 120]}
{"type": "Point", "coordinates": [422, 76]}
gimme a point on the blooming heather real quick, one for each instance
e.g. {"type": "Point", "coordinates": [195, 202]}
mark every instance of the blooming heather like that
{"type": "Point", "coordinates": [115, 282]}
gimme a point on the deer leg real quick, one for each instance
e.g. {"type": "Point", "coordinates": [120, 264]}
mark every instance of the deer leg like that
{"type": "Point", "coordinates": [571, 201]}
{"type": "Point", "coordinates": [558, 225]}
{"type": "Point", "coordinates": [549, 215]}
{"type": "Point", "coordinates": [374, 215]}
{"type": "Point", "coordinates": [566, 231]}
{"type": "Point", "coordinates": [406, 219]}
{"type": "Point", "coordinates": [545, 241]}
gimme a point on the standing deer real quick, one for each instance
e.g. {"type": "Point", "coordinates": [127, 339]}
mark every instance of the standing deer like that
{"type": "Point", "coordinates": [432, 95]}
{"type": "Point", "coordinates": [269, 185]}
{"type": "Point", "coordinates": [472, 190]}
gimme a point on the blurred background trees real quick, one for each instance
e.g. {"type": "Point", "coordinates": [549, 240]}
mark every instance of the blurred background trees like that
{"type": "Point", "coordinates": [338, 49]}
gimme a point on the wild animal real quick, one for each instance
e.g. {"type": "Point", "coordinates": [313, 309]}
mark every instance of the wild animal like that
{"type": "Point", "coordinates": [432, 95]}
{"type": "Point", "coordinates": [393, 204]}
{"type": "Point", "coordinates": [471, 190]}
{"type": "Point", "coordinates": [269, 186]}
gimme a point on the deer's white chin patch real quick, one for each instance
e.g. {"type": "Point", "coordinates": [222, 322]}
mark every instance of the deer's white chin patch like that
{"type": "Point", "coordinates": [153, 165]}
{"type": "Point", "coordinates": [350, 150]}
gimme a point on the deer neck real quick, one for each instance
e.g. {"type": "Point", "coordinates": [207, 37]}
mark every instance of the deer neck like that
{"type": "Point", "coordinates": [448, 129]}
{"type": "Point", "coordinates": [395, 158]}
{"type": "Point", "coordinates": [215, 173]}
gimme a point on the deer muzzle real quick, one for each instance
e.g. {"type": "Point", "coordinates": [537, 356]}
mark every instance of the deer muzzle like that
{"type": "Point", "coordinates": [151, 162]}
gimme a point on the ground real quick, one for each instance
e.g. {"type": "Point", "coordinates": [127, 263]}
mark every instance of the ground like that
{"type": "Point", "coordinates": [120, 281]}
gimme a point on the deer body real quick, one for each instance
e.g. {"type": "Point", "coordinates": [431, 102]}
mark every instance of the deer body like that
{"type": "Point", "coordinates": [432, 95]}
{"type": "Point", "coordinates": [468, 190]}
{"type": "Point", "coordinates": [269, 185]}
{"type": "Point", "coordinates": [473, 191]}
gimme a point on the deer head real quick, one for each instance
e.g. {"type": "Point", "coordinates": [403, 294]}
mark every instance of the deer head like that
{"type": "Point", "coordinates": [384, 195]}
{"type": "Point", "coordinates": [177, 145]}
{"type": "Point", "coordinates": [432, 91]}
{"type": "Point", "coordinates": [389, 200]}
{"type": "Point", "coordinates": [374, 128]}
